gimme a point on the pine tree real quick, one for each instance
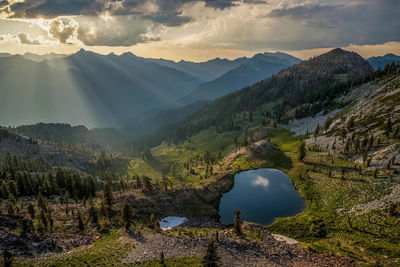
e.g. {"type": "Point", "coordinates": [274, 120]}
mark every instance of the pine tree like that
{"type": "Point", "coordinates": [127, 214]}
{"type": "Point", "coordinates": [236, 221]}
{"type": "Point", "coordinates": [26, 226]}
{"type": "Point", "coordinates": [347, 146]}
{"type": "Point", "coordinates": [302, 151]}
{"type": "Point", "coordinates": [396, 132]}
{"type": "Point", "coordinates": [147, 184]}
{"type": "Point", "coordinates": [66, 199]}
{"type": "Point", "coordinates": [103, 210]}
{"type": "Point", "coordinates": [350, 124]}
{"type": "Point", "coordinates": [164, 182]}
{"type": "Point", "coordinates": [92, 213]}
{"type": "Point", "coordinates": [388, 128]}
{"type": "Point", "coordinates": [328, 123]}
{"type": "Point", "coordinates": [108, 197]}
{"type": "Point", "coordinates": [162, 260]}
{"type": "Point", "coordinates": [40, 228]}
{"type": "Point", "coordinates": [81, 226]}
{"type": "Point", "coordinates": [41, 202]}
{"type": "Point", "coordinates": [7, 257]}
{"type": "Point", "coordinates": [43, 219]}
{"type": "Point", "coordinates": [211, 258]}
{"type": "Point", "coordinates": [31, 210]}
{"type": "Point", "coordinates": [50, 219]}
{"type": "Point", "coordinates": [316, 131]}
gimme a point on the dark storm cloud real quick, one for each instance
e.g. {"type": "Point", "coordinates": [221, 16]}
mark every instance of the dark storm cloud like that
{"type": "Point", "coordinates": [3, 3]}
{"type": "Point", "coordinates": [352, 22]}
{"type": "Point", "coordinates": [168, 13]}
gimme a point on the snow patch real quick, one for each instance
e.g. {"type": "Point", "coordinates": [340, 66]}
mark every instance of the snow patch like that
{"type": "Point", "coordinates": [171, 222]}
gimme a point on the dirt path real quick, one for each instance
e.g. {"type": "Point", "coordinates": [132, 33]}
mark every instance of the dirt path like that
{"type": "Point", "coordinates": [233, 251]}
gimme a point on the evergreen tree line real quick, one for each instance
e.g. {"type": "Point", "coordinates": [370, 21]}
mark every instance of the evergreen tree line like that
{"type": "Point", "coordinates": [28, 177]}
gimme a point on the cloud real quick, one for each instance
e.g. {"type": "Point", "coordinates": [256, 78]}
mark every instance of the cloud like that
{"type": "Point", "coordinates": [261, 181]}
{"type": "Point", "coordinates": [24, 39]}
{"type": "Point", "coordinates": [317, 25]}
{"type": "Point", "coordinates": [63, 29]}
{"type": "Point", "coordinates": [3, 3]}
{"type": "Point", "coordinates": [116, 31]}
{"type": "Point", "coordinates": [161, 8]}
{"type": "Point", "coordinates": [211, 24]}
{"type": "Point", "coordinates": [170, 20]}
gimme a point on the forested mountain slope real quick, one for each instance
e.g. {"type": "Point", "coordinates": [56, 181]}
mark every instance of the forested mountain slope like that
{"type": "Point", "coordinates": [303, 89]}
{"type": "Point", "coordinates": [65, 133]}
{"type": "Point", "coordinates": [259, 67]}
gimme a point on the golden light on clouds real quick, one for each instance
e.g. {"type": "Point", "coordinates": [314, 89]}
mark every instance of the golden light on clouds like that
{"type": "Point", "coordinates": [201, 29]}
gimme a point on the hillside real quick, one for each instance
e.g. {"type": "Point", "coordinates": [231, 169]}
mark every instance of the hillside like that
{"type": "Point", "coordinates": [65, 133]}
{"type": "Point", "coordinates": [105, 90]}
{"type": "Point", "coordinates": [351, 191]}
{"type": "Point", "coordinates": [259, 67]}
{"type": "Point", "coordinates": [382, 61]}
{"type": "Point", "coordinates": [149, 122]}
{"type": "Point", "coordinates": [348, 174]}
{"type": "Point", "coordinates": [298, 91]}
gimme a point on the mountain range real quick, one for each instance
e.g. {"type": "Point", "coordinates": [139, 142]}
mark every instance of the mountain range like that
{"type": "Point", "coordinates": [112, 90]}
{"type": "Point", "coordinates": [381, 62]}
{"type": "Point", "coordinates": [123, 91]}
{"type": "Point", "coordinates": [298, 91]}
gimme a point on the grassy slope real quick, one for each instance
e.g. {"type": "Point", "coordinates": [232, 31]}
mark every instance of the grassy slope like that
{"type": "Point", "coordinates": [170, 158]}
{"type": "Point", "coordinates": [375, 244]}
{"type": "Point", "coordinates": [107, 251]}
{"type": "Point", "coordinates": [364, 241]}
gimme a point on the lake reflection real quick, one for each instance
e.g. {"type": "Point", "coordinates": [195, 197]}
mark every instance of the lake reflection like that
{"type": "Point", "coordinates": [261, 196]}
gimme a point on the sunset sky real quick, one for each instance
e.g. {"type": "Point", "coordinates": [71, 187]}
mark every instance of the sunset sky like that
{"type": "Point", "coordinates": [199, 30]}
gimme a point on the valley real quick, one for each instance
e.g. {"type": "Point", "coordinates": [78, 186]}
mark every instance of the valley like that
{"type": "Point", "coordinates": [77, 196]}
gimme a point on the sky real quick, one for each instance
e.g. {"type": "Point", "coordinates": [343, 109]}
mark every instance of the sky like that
{"type": "Point", "coordinates": [199, 30]}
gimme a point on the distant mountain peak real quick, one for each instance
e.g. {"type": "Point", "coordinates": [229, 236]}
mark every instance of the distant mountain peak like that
{"type": "Point", "coordinates": [128, 54]}
{"type": "Point", "coordinates": [337, 51]}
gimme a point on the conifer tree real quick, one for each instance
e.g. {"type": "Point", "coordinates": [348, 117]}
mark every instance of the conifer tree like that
{"type": "Point", "coordinates": [302, 151]}
{"type": "Point", "coordinates": [92, 213]}
{"type": "Point", "coordinates": [81, 226]}
{"type": "Point", "coordinates": [236, 224]}
{"type": "Point", "coordinates": [316, 131]}
{"type": "Point", "coordinates": [211, 258]}
{"type": "Point", "coordinates": [43, 219]}
{"type": "Point", "coordinates": [7, 257]}
{"type": "Point", "coordinates": [41, 202]}
{"type": "Point", "coordinates": [26, 226]}
{"type": "Point", "coordinates": [164, 182]}
{"type": "Point", "coordinates": [108, 197]}
{"type": "Point", "coordinates": [31, 210]}
{"type": "Point", "coordinates": [388, 128]}
{"type": "Point", "coordinates": [50, 219]}
{"type": "Point", "coordinates": [162, 260]}
{"type": "Point", "coordinates": [127, 214]}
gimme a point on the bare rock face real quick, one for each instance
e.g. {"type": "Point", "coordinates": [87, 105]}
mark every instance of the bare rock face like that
{"type": "Point", "coordinates": [259, 148]}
